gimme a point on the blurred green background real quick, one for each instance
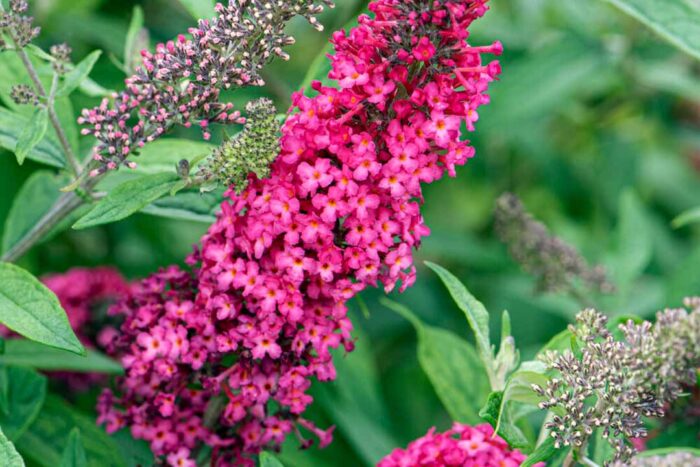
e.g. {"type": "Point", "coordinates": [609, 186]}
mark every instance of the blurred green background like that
{"type": "Point", "coordinates": [595, 124]}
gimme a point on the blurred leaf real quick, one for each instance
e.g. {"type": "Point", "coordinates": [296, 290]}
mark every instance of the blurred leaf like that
{"type": "Point", "coordinates": [77, 75]}
{"type": "Point", "coordinates": [12, 125]}
{"type": "Point", "coordinates": [199, 9]}
{"type": "Point", "coordinates": [689, 217]}
{"type": "Point", "coordinates": [634, 242]}
{"type": "Point", "coordinates": [32, 134]}
{"type": "Point", "coordinates": [25, 396]}
{"type": "Point", "coordinates": [475, 312]}
{"type": "Point", "coordinates": [668, 450]}
{"type": "Point", "coordinates": [35, 198]}
{"type": "Point", "coordinates": [132, 44]}
{"type": "Point", "coordinates": [269, 460]}
{"type": "Point", "coordinates": [32, 310]}
{"type": "Point", "coordinates": [46, 439]}
{"type": "Point", "coordinates": [74, 453]}
{"type": "Point", "coordinates": [669, 76]}
{"type": "Point", "coordinates": [519, 385]}
{"type": "Point", "coordinates": [22, 352]}
{"type": "Point", "coordinates": [164, 154]}
{"type": "Point", "coordinates": [355, 404]}
{"type": "Point", "coordinates": [4, 387]}
{"type": "Point", "coordinates": [128, 198]}
{"type": "Point", "coordinates": [676, 21]}
{"type": "Point", "coordinates": [559, 343]}
{"type": "Point", "coordinates": [136, 452]}
{"type": "Point", "coordinates": [602, 450]}
{"type": "Point", "coordinates": [452, 365]}
{"type": "Point", "coordinates": [9, 457]}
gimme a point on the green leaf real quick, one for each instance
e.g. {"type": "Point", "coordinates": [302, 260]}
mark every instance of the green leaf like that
{"type": "Point", "coordinates": [132, 43]}
{"type": "Point", "coordinates": [496, 413]}
{"type": "Point", "coordinates": [676, 21]}
{"type": "Point", "coordinates": [25, 396]}
{"type": "Point", "coordinates": [22, 352]}
{"type": "Point", "coordinates": [32, 134]}
{"type": "Point", "coordinates": [78, 74]}
{"type": "Point", "coordinates": [269, 460]}
{"type": "Point", "coordinates": [35, 198]}
{"type": "Point", "coordinates": [187, 205]}
{"type": "Point", "coordinates": [163, 155]}
{"type": "Point", "coordinates": [688, 217]}
{"type": "Point", "coordinates": [74, 453]}
{"type": "Point", "coordinates": [30, 309]}
{"type": "Point", "coordinates": [9, 457]}
{"type": "Point", "coordinates": [128, 198]}
{"type": "Point", "coordinates": [136, 452]}
{"type": "Point", "coordinates": [12, 125]}
{"type": "Point", "coordinates": [45, 441]}
{"type": "Point", "coordinates": [542, 453]}
{"type": "Point", "coordinates": [668, 450]}
{"type": "Point", "coordinates": [452, 365]}
{"type": "Point", "coordinates": [634, 242]}
{"type": "Point", "coordinates": [475, 312]}
{"type": "Point", "coordinates": [560, 342]}
{"type": "Point", "coordinates": [199, 9]}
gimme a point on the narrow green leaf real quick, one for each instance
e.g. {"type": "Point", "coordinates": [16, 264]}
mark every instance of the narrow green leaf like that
{"type": "Point", "coordinates": [78, 74]}
{"type": "Point", "coordinates": [452, 365]}
{"type": "Point", "coordinates": [22, 352]}
{"type": "Point", "coordinates": [677, 21]}
{"type": "Point", "coordinates": [12, 125]}
{"type": "Point", "coordinates": [688, 217]}
{"type": "Point", "coordinates": [474, 310]}
{"type": "Point", "coordinates": [128, 198]}
{"type": "Point", "coordinates": [496, 413]}
{"type": "Point", "coordinates": [30, 309]}
{"type": "Point", "coordinates": [187, 205]}
{"type": "Point", "coordinates": [131, 43]}
{"type": "Point", "coordinates": [25, 396]}
{"type": "Point", "coordinates": [32, 134]}
{"type": "Point", "coordinates": [199, 9]}
{"type": "Point", "coordinates": [35, 198]}
{"type": "Point", "coordinates": [269, 460]}
{"type": "Point", "coordinates": [9, 457]}
{"type": "Point", "coordinates": [45, 441]}
{"type": "Point", "coordinates": [542, 453]}
{"type": "Point", "coordinates": [74, 453]}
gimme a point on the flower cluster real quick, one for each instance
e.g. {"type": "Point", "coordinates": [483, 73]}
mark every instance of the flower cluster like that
{"type": "Point", "coordinates": [18, 26]}
{"type": "Point", "coordinates": [249, 152]}
{"type": "Point", "coordinates": [339, 212]}
{"type": "Point", "coordinates": [462, 446]}
{"type": "Point", "coordinates": [613, 384]}
{"type": "Point", "coordinates": [181, 82]}
{"type": "Point", "coordinates": [85, 294]}
{"type": "Point", "coordinates": [554, 263]}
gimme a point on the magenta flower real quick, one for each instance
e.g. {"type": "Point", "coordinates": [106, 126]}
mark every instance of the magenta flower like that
{"type": "Point", "coordinates": [339, 212]}
{"type": "Point", "coordinates": [460, 446]}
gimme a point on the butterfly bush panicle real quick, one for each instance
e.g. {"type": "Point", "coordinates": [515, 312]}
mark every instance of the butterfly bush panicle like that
{"type": "Point", "coordinates": [18, 25]}
{"type": "Point", "coordinates": [249, 152]}
{"type": "Point", "coordinates": [181, 83]}
{"type": "Point", "coordinates": [552, 261]}
{"type": "Point", "coordinates": [85, 294]}
{"type": "Point", "coordinates": [460, 446]}
{"type": "Point", "coordinates": [340, 211]}
{"type": "Point", "coordinates": [613, 384]}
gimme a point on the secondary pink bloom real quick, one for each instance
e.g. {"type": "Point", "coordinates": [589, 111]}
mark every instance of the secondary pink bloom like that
{"type": "Point", "coordinates": [460, 446]}
{"type": "Point", "coordinates": [339, 212]}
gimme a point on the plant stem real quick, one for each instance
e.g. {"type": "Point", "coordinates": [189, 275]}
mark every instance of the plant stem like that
{"type": "Point", "coordinates": [68, 152]}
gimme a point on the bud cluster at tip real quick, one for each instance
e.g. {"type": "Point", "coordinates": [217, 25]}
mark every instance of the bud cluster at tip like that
{"type": "Point", "coordinates": [18, 25]}
{"type": "Point", "coordinates": [181, 83]}
{"type": "Point", "coordinates": [554, 263]}
{"type": "Point", "coordinates": [612, 384]}
{"type": "Point", "coordinates": [249, 152]}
